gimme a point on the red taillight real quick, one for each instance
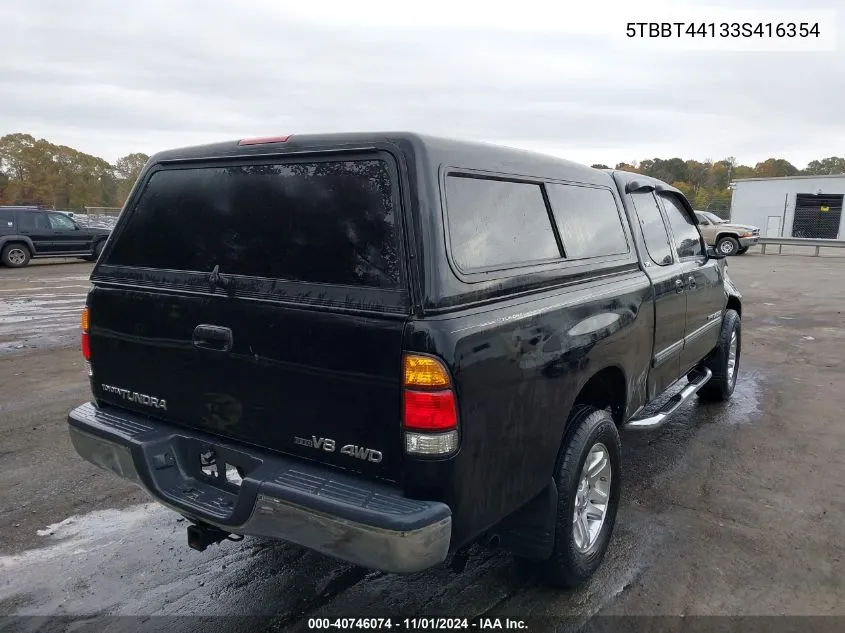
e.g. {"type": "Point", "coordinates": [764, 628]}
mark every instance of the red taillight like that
{"type": "Point", "coordinates": [264, 140]}
{"type": "Point", "coordinates": [429, 407]}
{"type": "Point", "coordinates": [430, 411]}
{"type": "Point", "coordinates": [85, 323]}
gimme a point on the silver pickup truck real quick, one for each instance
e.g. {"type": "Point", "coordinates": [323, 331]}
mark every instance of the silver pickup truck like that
{"type": "Point", "coordinates": [726, 237]}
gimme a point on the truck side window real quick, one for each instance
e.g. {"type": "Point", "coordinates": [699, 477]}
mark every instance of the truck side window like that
{"type": "Point", "coordinates": [497, 223]}
{"type": "Point", "coordinates": [654, 230]}
{"type": "Point", "coordinates": [61, 222]}
{"type": "Point", "coordinates": [31, 221]}
{"type": "Point", "coordinates": [588, 220]}
{"type": "Point", "coordinates": [686, 236]}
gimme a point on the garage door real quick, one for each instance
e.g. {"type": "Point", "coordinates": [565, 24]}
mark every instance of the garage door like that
{"type": "Point", "coordinates": [817, 216]}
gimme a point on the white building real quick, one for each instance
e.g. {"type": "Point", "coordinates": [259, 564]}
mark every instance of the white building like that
{"type": "Point", "coordinates": [793, 206]}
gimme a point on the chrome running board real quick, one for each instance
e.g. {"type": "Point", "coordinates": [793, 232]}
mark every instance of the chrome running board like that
{"type": "Point", "coordinates": [665, 412]}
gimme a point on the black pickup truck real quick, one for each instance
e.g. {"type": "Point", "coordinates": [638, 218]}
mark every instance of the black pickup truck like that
{"type": "Point", "coordinates": [391, 347]}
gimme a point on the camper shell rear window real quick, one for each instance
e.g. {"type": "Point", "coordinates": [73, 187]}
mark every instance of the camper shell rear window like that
{"type": "Point", "coordinates": [321, 221]}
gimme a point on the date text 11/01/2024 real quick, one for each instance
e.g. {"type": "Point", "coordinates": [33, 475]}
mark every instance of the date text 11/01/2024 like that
{"type": "Point", "coordinates": [414, 624]}
{"type": "Point", "coordinates": [724, 29]}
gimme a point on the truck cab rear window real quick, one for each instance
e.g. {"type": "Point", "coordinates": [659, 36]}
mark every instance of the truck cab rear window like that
{"type": "Point", "coordinates": [329, 222]}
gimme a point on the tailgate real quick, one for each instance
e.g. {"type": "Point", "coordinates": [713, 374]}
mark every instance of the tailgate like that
{"type": "Point", "coordinates": [262, 302]}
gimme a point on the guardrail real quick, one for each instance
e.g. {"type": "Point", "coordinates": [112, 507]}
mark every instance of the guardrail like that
{"type": "Point", "coordinates": [780, 242]}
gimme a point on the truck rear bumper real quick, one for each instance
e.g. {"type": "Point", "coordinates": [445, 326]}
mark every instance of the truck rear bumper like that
{"type": "Point", "coordinates": [250, 492]}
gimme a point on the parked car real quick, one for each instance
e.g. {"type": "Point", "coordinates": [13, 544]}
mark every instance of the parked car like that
{"type": "Point", "coordinates": [727, 237]}
{"type": "Point", "coordinates": [389, 347]}
{"type": "Point", "coordinates": [27, 233]}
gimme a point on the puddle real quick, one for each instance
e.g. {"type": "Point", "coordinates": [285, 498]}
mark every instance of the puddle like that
{"type": "Point", "coordinates": [27, 292]}
{"type": "Point", "coordinates": [109, 561]}
{"type": "Point", "coordinates": [40, 318]}
{"type": "Point", "coordinates": [77, 535]}
{"type": "Point", "coordinates": [744, 405]}
{"type": "Point", "coordinates": [85, 278]}
{"type": "Point", "coordinates": [651, 458]}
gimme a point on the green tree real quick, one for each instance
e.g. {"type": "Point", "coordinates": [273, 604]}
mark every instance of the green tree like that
{"type": "Point", "coordinates": [628, 167]}
{"type": "Point", "coordinates": [685, 188]}
{"type": "Point", "coordinates": [697, 175]}
{"type": "Point", "coordinates": [127, 169]}
{"type": "Point", "coordinates": [720, 203]}
{"type": "Point", "coordinates": [29, 164]}
{"type": "Point", "coordinates": [671, 170]}
{"type": "Point", "coordinates": [719, 176]}
{"type": "Point", "coordinates": [743, 171]}
{"type": "Point", "coordinates": [825, 167]}
{"type": "Point", "coordinates": [39, 172]}
{"type": "Point", "coordinates": [599, 166]}
{"type": "Point", "coordinates": [775, 168]}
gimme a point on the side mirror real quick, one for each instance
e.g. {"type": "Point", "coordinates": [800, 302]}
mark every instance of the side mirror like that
{"type": "Point", "coordinates": [712, 253]}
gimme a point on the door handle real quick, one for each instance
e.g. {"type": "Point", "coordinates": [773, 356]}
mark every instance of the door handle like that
{"type": "Point", "coordinates": [679, 285]}
{"type": "Point", "coordinates": [212, 337]}
{"type": "Point", "coordinates": [691, 282]}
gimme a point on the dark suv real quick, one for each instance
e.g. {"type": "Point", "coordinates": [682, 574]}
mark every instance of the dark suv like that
{"type": "Point", "coordinates": [389, 347]}
{"type": "Point", "coordinates": [27, 232]}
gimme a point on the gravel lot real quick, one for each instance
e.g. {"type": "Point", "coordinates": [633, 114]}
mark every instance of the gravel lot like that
{"type": "Point", "coordinates": [731, 509]}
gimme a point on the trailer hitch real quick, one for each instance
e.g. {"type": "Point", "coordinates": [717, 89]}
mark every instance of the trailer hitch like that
{"type": "Point", "coordinates": [200, 536]}
{"type": "Point", "coordinates": [459, 560]}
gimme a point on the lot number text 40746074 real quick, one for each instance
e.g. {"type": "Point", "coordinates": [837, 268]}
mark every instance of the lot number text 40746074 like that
{"type": "Point", "coordinates": [416, 624]}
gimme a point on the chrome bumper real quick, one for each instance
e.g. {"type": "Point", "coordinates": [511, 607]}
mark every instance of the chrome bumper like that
{"type": "Point", "coordinates": [334, 513]}
{"type": "Point", "coordinates": [748, 241]}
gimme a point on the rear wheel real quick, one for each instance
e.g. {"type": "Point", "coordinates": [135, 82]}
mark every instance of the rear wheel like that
{"type": "Point", "coordinates": [727, 246]}
{"type": "Point", "coordinates": [588, 482]}
{"type": "Point", "coordinates": [98, 248]}
{"type": "Point", "coordinates": [15, 255]}
{"type": "Point", "coordinates": [724, 360]}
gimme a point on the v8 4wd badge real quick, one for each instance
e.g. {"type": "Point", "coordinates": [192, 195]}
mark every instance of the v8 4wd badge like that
{"type": "Point", "coordinates": [328, 444]}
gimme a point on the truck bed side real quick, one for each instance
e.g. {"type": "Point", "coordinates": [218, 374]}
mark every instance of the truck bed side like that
{"type": "Point", "coordinates": [519, 368]}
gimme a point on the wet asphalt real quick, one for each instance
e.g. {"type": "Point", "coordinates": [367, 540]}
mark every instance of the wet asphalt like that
{"type": "Point", "coordinates": [39, 304]}
{"type": "Point", "coordinates": [734, 509]}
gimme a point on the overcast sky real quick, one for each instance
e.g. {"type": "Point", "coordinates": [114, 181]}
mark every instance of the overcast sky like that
{"type": "Point", "coordinates": [112, 77]}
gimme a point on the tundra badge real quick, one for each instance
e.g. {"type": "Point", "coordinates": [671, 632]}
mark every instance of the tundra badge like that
{"type": "Point", "coordinates": [134, 396]}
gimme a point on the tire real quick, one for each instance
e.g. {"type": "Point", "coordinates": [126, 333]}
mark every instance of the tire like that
{"type": "Point", "coordinates": [15, 255]}
{"type": "Point", "coordinates": [742, 251]}
{"type": "Point", "coordinates": [725, 369]}
{"type": "Point", "coordinates": [574, 560]}
{"type": "Point", "coordinates": [727, 246]}
{"type": "Point", "coordinates": [98, 248]}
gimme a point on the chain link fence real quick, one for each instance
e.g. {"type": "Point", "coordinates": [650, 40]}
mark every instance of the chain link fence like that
{"type": "Point", "coordinates": [718, 207]}
{"type": "Point", "coordinates": [97, 217]}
